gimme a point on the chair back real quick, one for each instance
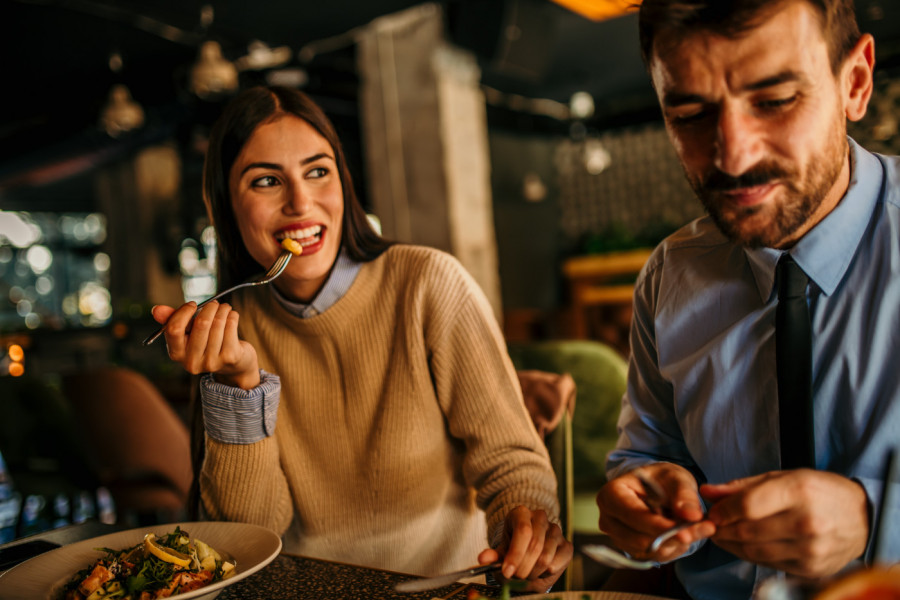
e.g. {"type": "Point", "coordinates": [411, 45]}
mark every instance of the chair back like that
{"type": "Point", "coordinates": [599, 373]}
{"type": "Point", "coordinates": [136, 442]}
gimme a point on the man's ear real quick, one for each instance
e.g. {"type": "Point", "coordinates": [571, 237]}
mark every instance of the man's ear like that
{"type": "Point", "coordinates": [857, 77]}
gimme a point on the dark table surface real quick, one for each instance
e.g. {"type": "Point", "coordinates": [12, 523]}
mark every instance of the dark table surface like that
{"type": "Point", "coordinates": [301, 578]}
{"type": "Point", "coordinates": [287, 576]}
{"type": "Point", "coordinates": [20, 550]}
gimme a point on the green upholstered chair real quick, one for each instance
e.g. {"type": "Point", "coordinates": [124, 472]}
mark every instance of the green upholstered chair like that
{"type": "Point", "coordinates": [599, 372]}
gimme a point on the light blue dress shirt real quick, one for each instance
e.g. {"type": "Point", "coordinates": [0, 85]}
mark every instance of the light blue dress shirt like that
{"type": "Point", "coordinates": [702, 389]}
{"type": "Point", "coordinates": [236, 416]}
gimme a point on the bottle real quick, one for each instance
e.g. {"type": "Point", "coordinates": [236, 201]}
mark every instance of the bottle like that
{"type": "Point", "coordinates": [84, 508]}
{"type": "Point", "coordinates": [10, 505]}
{"type": "Point", "coordinates": [34, 515]}
{"type": "Point", "coordinates": [61, 510]}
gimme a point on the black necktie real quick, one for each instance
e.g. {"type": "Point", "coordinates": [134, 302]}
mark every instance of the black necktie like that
{"type": "Point", "coordinates": [793, 353]}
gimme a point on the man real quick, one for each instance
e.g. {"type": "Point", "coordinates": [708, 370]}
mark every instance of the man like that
{"type": "Point", "coordinates": [755, 96]}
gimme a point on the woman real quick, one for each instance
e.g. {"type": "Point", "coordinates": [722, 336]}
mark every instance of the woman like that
{"type": "Point", "coordinates": [402, 441]}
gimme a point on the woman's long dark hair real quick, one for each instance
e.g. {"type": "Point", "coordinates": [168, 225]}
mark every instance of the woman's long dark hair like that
{"type": "Point", "coordinates": [243, 114]}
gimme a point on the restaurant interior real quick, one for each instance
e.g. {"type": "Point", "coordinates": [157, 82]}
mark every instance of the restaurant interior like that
{"type": "Point", "coordinates": [522, 136]}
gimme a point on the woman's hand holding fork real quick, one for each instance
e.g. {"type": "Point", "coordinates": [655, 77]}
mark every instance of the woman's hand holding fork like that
{"type": "Point", "coordinates": [209, 342]}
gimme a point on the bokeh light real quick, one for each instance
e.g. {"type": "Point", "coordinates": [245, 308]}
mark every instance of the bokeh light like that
{"type": "Point", "coordinates": [188, 259]}
{"type": "Point", "coordinates": [16, 352]}
{"type": "Point", "coordinates": [46, 260]}
{"type": "Point", "coordinates": [101, 262]}
{"type": "Point", "coordinates": [18, 229]}
{"type": "Point", "coordinates": [23, 307]}
{"type": "Point", "coordinates": [94, 304]}
{"type": "Point", "coordinates": [39, 258]}
{"type": "Point", "coordinates": [43, 285]}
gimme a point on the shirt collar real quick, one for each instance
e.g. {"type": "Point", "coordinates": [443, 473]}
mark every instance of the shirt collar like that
{"type": "Point", "coordinates": [341, 277]}
{"type": "Point", "coordinates": [825, 252]}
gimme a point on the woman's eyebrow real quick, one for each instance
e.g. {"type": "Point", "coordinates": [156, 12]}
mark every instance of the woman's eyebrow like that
{"type": "Point", "coordinates": [316, 157]}
{"type": "Point", "coordinates": [278, 167]}
{"type": "Point", "coordinates": [261, 165]}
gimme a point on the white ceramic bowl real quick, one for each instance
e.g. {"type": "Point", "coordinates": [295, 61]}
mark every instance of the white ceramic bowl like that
{"type": "Point", "coordinates": [252, 547]}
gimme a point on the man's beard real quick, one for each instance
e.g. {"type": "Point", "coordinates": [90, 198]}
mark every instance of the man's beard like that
{"type": "Point", "coordinates": [796, 203]}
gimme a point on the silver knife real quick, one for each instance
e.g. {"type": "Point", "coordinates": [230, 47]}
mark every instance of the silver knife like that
{"type": "Point", "coordinates": [430, 583]}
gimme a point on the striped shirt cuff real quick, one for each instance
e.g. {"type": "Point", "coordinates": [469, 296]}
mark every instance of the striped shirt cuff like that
{"type": "Point", "coordinates": [232, 415]}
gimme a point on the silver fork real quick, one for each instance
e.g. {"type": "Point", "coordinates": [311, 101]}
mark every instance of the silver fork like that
{"type": "Point", "coordinates": [274, 271]}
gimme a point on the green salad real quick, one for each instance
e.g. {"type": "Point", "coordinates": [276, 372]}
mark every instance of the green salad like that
{"type": "Point", "coordinates": [158, 567]}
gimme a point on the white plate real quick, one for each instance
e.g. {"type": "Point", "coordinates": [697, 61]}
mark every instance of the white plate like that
{"type": "Point", "coordinates": [252, 547]}
{"type": "Point", "coordinates": [590, 596]}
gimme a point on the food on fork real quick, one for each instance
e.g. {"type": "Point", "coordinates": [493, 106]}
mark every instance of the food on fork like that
{"type": "Point", "coordinates": [292, 246]}
{"type": "Point", "coordinates": [155, 568]}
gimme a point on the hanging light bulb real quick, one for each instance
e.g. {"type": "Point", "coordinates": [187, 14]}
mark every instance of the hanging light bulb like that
{"type": "Point", "coordinates": [260, 56]}
{"type": "Point", "coordinates": [212, 75]}
{"type": "Point", "coordinates": [581, 105]}
{"type": "Point", "coordinates": [121, 113]}
{"type": "Point", "coordinates": [596, 157]}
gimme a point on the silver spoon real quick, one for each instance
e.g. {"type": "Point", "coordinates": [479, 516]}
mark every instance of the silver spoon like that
{"type": "Point", "coordinates": [613, 557]}
{"type": "Point", "coordinates": [274, 271]}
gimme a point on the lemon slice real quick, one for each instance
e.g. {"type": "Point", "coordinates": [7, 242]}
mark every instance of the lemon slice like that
{"type": "Point", "coordinates": [165, 554]}
{"type": "Point", "coordinates": [292, 246]}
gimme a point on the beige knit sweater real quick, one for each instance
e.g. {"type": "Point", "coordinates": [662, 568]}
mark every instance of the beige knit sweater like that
{"type": "Point", "coordinates": [400, 420]}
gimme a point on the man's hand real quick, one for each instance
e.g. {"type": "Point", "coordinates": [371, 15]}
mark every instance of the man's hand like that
{"type": "Point", "coordinates": [633, 525]}
{"type": "Point", "coordinates": [804, 522]}
{"type": "Point", "coordinates": [533, 549]}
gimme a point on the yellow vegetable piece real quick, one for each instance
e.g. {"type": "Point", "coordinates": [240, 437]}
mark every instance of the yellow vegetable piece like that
{"type": "Point", "coordinates": [292, 246]}
{"type": "Point", "coordinates": [227, 570]}
{"type": "Point", "coordinates": [165, 554]}
{"type": "Point", "coordinates": [204, 551]}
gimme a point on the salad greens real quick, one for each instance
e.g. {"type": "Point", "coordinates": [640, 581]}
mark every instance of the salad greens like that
{"type": "Point", "coordinates": [155, 568]}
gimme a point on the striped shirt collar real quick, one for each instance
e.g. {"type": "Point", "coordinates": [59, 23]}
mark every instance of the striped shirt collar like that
{"type": "Point", "coordinates": [342, 276]}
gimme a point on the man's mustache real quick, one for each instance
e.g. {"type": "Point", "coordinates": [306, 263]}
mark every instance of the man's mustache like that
{"type": "Point", "coordinates": [718, 181]}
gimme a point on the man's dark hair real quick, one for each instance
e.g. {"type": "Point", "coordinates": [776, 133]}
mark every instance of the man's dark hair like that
{"type": "Point", "coordinates": [735, 18]}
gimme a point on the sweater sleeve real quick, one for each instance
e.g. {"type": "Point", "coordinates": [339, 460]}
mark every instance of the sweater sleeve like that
{"type": "Point", "coordinates": [245, 483]}
{"type": "Point", "coordinates": [241, 478]}
{"type": "Point", "coordinates": [505, 460]}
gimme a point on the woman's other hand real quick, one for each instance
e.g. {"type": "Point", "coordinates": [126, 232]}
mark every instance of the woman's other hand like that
{"type": "Point", "coordinates": [209, 342]}
{"type": "Point", "coordinates": [533, 549]}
